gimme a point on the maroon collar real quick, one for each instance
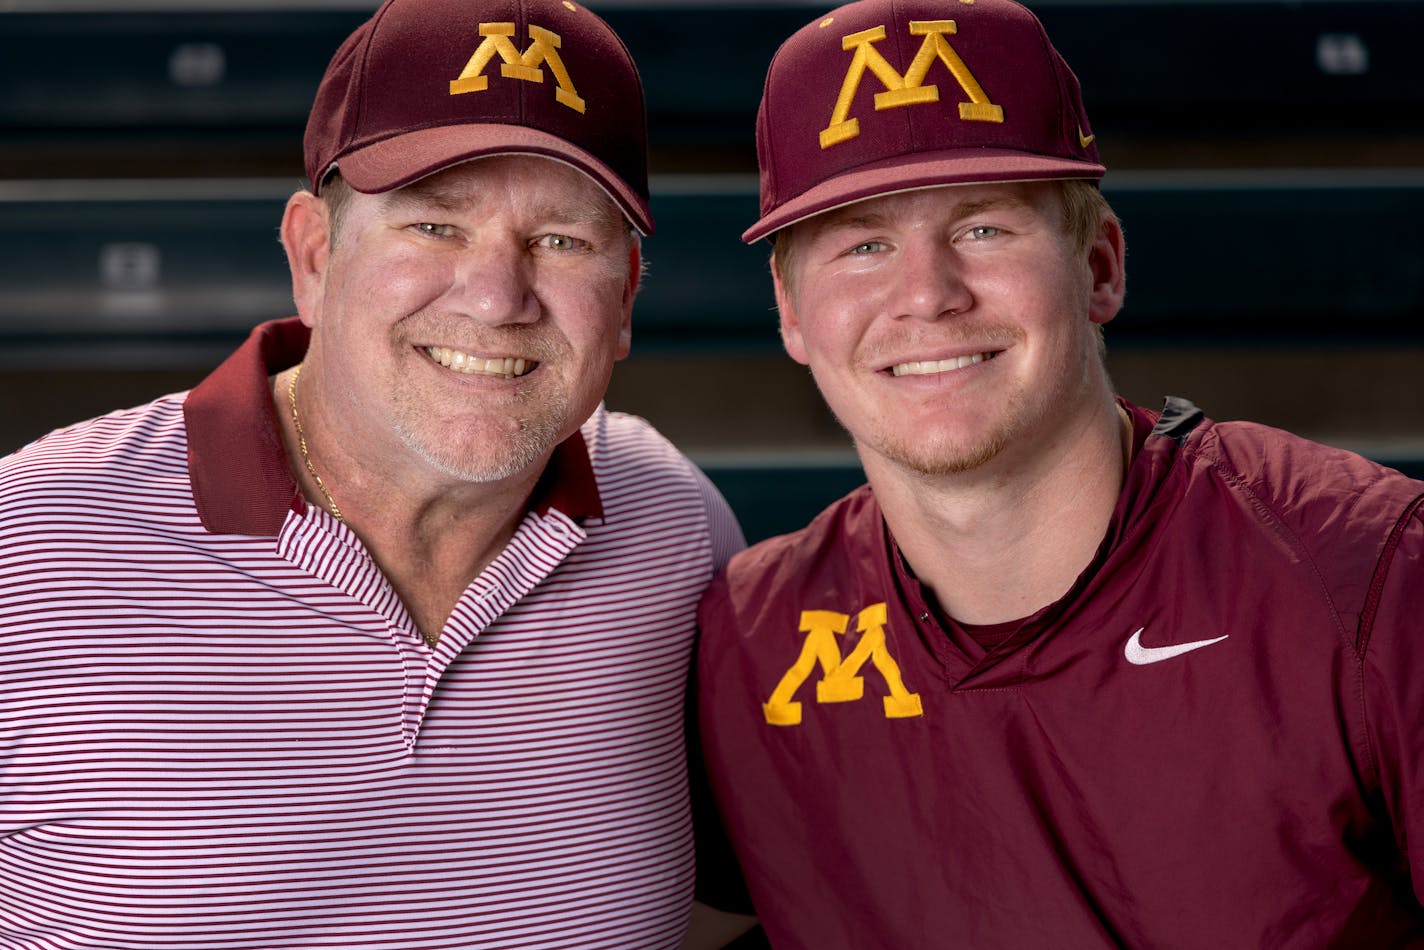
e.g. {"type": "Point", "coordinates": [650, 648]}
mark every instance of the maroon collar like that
{"type": "Point", "coordinates": [242, 483]}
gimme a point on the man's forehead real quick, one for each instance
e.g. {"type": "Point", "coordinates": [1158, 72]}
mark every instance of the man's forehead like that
{"type": "Point", "coordinates": [544, 185]}
{"type": "Point", "coordinates": [957, 199]}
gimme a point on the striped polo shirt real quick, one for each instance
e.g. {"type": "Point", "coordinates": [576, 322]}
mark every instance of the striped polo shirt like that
{"type": "Point", "coordinates": [219, 727]}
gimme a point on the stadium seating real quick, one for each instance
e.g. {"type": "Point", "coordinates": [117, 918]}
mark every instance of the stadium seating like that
{"type": "Point", "coordinates": [1330, 255]}
{"type": "Point", "coordinates": [1267, 160]}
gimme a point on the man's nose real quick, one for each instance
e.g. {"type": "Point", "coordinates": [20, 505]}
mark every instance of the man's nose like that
{"type": "Point", "coordinates": [493, 282]}
{"type": "Point", "coordinates": [929, 283]}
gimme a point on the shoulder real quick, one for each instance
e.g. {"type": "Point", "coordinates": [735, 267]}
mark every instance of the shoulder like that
{"type": "Point", "coordinates": [1334, 517]}
{"type": "Point", "coordinates": [620, 444]}
{"type": "Point", "coordinates": [643, 477]}
{"type": "Point", "coordinates": [90, 458]}
{"type": "Point", "coordinates": [1312, 489]}
{"type": "Point", "coordinates": [843, 540]}
{"type": "Point", "coordinates": [100, 484]}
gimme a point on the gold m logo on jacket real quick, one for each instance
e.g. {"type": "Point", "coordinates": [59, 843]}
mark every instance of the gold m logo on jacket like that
{"type": "Point", "coordinates": [543, 49]}
{"type": "Point", "coordinates": [840, 677]}
{"type": "Point", "coordinates": [908, 89]}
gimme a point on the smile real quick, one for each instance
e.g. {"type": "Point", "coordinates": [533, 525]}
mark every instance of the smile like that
{"type": "Point", "coordinates": [507, 366]}
{"type": "Point", "coordinates": [929, 367]}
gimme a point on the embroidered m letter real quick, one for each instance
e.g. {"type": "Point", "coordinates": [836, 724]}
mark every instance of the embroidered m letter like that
{"type": "Point", "coordinates": [543, 50]}
{"type": "Point", "coordinates": [908, 89]}
{"type": "Point", "coordinates": [841, 681]}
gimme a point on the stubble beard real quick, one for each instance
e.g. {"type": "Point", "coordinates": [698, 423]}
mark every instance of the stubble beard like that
{"type": "Point", "coordinates": [539, 413]}
{"type": "Point", "coordinates": [504, 458]}
{"type": "Point", "coordinates": [946, 456]}
{"type": "Point", "coordinates": [1023, 416]}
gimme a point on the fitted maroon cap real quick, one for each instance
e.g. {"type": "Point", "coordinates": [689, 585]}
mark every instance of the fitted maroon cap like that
{"type": "Point", "coordinates": [426, 84]}
{"type": "Point", "coordinates": [883, 96]}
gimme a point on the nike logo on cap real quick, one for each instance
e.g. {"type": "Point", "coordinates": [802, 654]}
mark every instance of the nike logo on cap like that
{"type": "Point", "coordinates": [1139, 655]}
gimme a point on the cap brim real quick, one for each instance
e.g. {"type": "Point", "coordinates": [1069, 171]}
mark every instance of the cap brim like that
{"type": "Point", "coordinates": [921, 170]}
{"type": "Point", "coordinates": [396, 162]}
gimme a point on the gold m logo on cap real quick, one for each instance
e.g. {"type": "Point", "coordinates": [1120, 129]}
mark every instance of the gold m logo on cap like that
{"type": "Point", "coordinates": [841, 681]}
{"type": "Point", "coordinates": [543, 49]}
{"type": "Point", "coordinates": [908, 89]}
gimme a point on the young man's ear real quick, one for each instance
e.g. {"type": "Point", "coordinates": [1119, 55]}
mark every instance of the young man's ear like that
{"type": "Point", "coordinates": [306, 237]}
{"type": "Point", "coordinates": [790, 325]}
{"type": "Point", "coordinates": [1107, 262]}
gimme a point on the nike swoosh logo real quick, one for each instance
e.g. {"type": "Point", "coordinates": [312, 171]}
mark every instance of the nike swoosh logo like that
{"type": "Point", "coordinates": [1085, 140]}
{"type": "Point", "coordinates": [1139, 655]}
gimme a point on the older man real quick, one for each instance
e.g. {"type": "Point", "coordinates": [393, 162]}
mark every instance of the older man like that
{"type": "Point", "coordinates": [378, 637]}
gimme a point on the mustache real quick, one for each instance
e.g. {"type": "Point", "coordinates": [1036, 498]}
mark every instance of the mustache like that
{"type": "Point", "coordinates": [993, 335]}
{"type": "Point", "coordinates": [539, 342]}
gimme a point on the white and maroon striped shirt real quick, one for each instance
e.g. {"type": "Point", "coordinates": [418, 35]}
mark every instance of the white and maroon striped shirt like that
{"type": "Point", "coordinates": [220, 729]}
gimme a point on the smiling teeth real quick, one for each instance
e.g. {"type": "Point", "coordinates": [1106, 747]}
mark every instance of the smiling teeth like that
{"type": "Point", "coordinates": [928, 367]}
{"type": "Point", "coordinates": [506, 366]}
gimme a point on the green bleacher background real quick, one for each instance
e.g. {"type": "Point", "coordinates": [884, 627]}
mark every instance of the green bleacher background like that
{"type": "Point", "coordinates": [1267, 160]}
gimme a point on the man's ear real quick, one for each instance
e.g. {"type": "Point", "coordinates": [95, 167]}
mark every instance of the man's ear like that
{"type": "Point", "coordinates": [790, 325]}
{"type": "Point", "coordinates": [306, 237]}
{"type": "Point", "coordinates": [630, 292]}
{"type": "Point", "coordinates": [1107, 262]}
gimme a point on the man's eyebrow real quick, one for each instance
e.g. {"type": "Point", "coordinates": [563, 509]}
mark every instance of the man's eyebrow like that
{"type": "Point", "coordinates": [591, 212]}
{"type": "Point", "coordinates": [429, 194]}
{"type": "Point", "coordinates": [870, 220]}
{"type": "Point", "coordinates": [454, 198]}
{"type": "Point", "coordinates": [1011, 202]}
{"type": "Point", "coordinates": [864, 221]}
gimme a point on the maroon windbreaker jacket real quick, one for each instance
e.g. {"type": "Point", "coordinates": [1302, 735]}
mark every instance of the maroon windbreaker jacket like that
{"type": "Point", "coordinates": [1212, 740]}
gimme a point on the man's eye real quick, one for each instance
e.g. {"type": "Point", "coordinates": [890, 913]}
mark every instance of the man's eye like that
{"type": "Point", "coordinates": [983, 231]}
{"type": "Point", "coordinates": [559, 242]}
{"type": "Point", "coordinates": [435, 230]}
{"type": "Point", "coordinates": [867, 247]}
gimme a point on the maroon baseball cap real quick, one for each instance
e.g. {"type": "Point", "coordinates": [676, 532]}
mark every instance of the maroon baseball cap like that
{"type": "Point", "coordinates": [883, 96]}
{"type": "Point", "coordinates": [426, 84]}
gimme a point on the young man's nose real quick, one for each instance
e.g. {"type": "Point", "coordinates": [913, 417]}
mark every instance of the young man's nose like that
{"type": "Point", "coordinates": [928, 283]}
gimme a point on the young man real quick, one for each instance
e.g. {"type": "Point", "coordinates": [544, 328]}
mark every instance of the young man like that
{"type": "Point", "coordinates": [379, 636]}
{"type": "Point", "coordinates": [1067, 673]}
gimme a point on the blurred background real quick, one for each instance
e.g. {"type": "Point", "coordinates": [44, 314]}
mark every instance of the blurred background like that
{"type": "Point", "coordinates": [1267, 160]}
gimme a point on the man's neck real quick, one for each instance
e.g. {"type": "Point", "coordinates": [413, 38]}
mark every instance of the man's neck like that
{"type": "Point", "coordinates": [1002, 542]}
{"type": "Point", "coordinates": [430, 538]}
{"type": "Point", "coordinates": [431, 557]}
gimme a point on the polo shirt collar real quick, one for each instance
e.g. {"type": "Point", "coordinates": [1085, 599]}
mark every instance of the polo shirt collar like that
{"type": "Point", "coordinates": [242, 482]}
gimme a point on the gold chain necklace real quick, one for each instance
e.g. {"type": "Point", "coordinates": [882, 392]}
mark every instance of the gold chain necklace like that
{"type": "Point", "coordinates": [302, 444]}
{"type": "Point", "coordinates": [311, 469]}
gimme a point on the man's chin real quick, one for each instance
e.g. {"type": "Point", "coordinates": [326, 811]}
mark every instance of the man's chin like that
{"type": "Point", "coordinates": [932, 457]}
{"type": "Point", "coordinates": [959, 460]}
{"type": "Point", "coordinates": [488, 459]}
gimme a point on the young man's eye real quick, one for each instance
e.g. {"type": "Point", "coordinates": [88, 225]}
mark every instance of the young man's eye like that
{"type": "Point", "coordinates": [982, 231]}
{"type": "Point", "coordinates": [867, 247]}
